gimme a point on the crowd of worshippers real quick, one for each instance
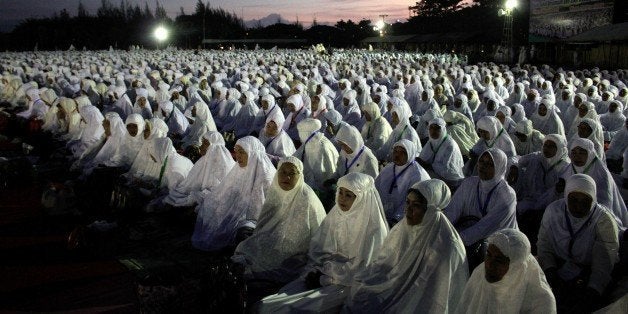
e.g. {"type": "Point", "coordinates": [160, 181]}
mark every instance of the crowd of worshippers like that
{"type": "Point", "coordinates": [361, 181]}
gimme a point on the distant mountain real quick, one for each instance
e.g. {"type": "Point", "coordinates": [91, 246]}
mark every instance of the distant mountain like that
{"type": "Point", "coordinates": [271, 19]}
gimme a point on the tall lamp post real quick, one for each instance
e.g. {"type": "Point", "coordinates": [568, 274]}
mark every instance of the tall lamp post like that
{"type": "Point", "coordinates": [506, 12]}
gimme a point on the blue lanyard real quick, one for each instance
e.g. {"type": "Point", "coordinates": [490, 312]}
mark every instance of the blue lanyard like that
{"type": "Point", "coordinates": [483, 208]}
{"type": "Point", "coordinates": [269, 111]}
{"type": "Point", "coordinates": [437, 148]}
{"type": "Point", "coordinates": [572, 235]}
{"type": "Point", "coordinates": [396, 176]}
{"type": "Point", "coordinates": [306, 141]}
{"type": "Point", "coordinates": [355, 159]}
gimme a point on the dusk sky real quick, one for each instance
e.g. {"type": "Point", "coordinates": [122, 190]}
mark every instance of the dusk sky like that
{"type": "Point", "coordinates": [325, 11]}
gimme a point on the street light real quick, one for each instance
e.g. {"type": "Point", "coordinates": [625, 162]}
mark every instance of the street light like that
{"type": "Point", "coordinates": [510, 4]}
{"type": "Point", "coordinates": [507, 13]}
{"type": "Point", "coordinates": [161, 34]}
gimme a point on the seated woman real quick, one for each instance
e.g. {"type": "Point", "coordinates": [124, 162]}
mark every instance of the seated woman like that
{"type": "Point", "coordinates": [91, 133]}
{"type": "Point", "coordinates": [298, 112]}
{"type": "Point", "coordinates": [109, 154]}
{"type": "Point", "coordinates": [441, 155]}
{"type": "Point", "coordinates": [461, 130]}
{"type": "Point", "coordinates": [177, 123]}
{"type": "Point", "coordinates": [547, 120]}
{"type": "Point", "coordinates": [526, 139]}
{"type": "Point", "coordinates": [376, 130]}
{"type": "Point", "coordinates": [483, 204]}
{"type": "Point", "coordinates": [245, 120]}
{"type": "Point", "coordinates": [318, 154]}
{"type": "Point", "coordinates": [143, 171]}
{"type": "Point", "coordinates": [173, 169]}
{"type": "Point", "coordinates": [343, 246]}
{"type": "Point", "coordinates": [585, 161]}
{"type": "Point", "coordinates": [276, 141]}
{"type": "Point", "coordinates": [277, 249]}
{"type": "Point", "coordinates": [203, 123]}
{"type": "Point", "coordinates": [539, 172]}
{"type": "Point", "coordinates": [236, 203]}
{"type": "Point", "coordinates": [577, 246]}
{"type": "Point", "coordinates": [509, 281]}
{"type": "Point", "coordinates": [591, 130]}
{"type": "Point", "coordinates": [491, 134]}
{"type": "Point", "coordinates": [422, 265]}
{"type": "Point", "coordinates": [354, 155]}
{"type": "Point", "coordinates": [208, 172]}
{"type": "Point", "coordinates": [396, 178]}
{"type": "Point", "coordinates": [402, 130]}
{"type": "Point", "coordinates": [268, 108]}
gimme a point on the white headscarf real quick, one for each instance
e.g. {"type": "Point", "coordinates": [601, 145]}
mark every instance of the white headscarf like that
{"type": "Point", "coordinates": [278, 248]}
{"type": "Point", "coordinates": [206, 174]}
{"type": "Point", "coordinates": [523, 289]}
{"type": "Point", "coordinates": [237, 201]}
{"type": "Point", "coordinates": [430, 254]}
{"type": "Point", "coordinates": [110, 153]}
{"type": "Point", "coordinates": [347, 242]}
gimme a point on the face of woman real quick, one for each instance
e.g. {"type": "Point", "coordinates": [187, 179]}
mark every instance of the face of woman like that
{"type": "Point", "coordinates": [345, 199]}
{"type": "Point", "coordinates": [291, 107]}
{"type": "Point", "coordinates": [395, 119]}
{"type": "Point", "coordinates": [345, 101]}
{"type": "Point", "coordinates": [416, 205]}
{"type": "Point", "coordinates": [147, 131]}
{"type": "Point", "coordinates": [204, 147]}
{"type": "Point", "coordinates": [579, 156]}
{"type": "Point", "coordinates": [288, 176]}
{"type": "Point", "coordinates": [549, 149]}
{"type": "Point", "coordinates": [315, 101]}
{"type": "Point", "coordinates": [483, 134]}
{"type": "Point", "coordinates": [132, 129]}
{"type": "Point", "coordinates": [107, 126]}
{"type": "Point", "coordinates": [496, 264]}
{"type": "Point", "coordinates": [582, 110]}
{"type": "Point", "coordinates": [584, 130]}
{"type": "Point", "coordinates": [579, 204]}
{"type": "Point", "coordinates": [366, 115]}
{"type": "Point", "coordinates": [400, 156]}
{"type": "Point", "coordinates": [501, 117]}
{"type": "Point", "coordinates": [271, 129]}
{"type": "Point", "coordinates": [435, 131]}
{"type": "Point", "coordinates": [346, 148]}
{"type": "Point", "coordinates": [424, 96]}
{"type": "Point", "coordinates": [486, 167]}
{"type": "Point", "coordinates": [241, 157]}
{"type": "Point", "coordinates": [542, 110]}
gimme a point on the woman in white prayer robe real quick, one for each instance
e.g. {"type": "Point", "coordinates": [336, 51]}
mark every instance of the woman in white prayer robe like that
{"type": "Point", "coordinates": [586, 110]}
{"type": "Point", "coordinates": [173, 168]}
{"type": "Point", "coordinates": [319, 107]}
{"type": "Point", "coordinates": [51, 123]}
{"type": "Point", "coordinates": [402, 130]}
{"type": "Point", "coordinates": [461, 104]}
{"type": "Point", "coordinates": [91, 133]}
{"type": "Point", "coordinates": [142, 106]}
{"type": "Point", "coordinates": [461, 130]}
{"type": "Point", "coordinates": [584, 161]}
{"type": "Point", "coordinates": [350, 110]}
{"type": "Point", "coordinates": [503, 115]}
{"type": "Point", "coordinates": [354, 155]}
{"type": "Point", "coordinates": [276, 141]}
{"type": "Point", "coordinates": [235, 203]}
{"type": "Point", "coordinates": [422, 266]}
{"type": "Point", "coordinates": [318, 154]}
{"type": "Point", "coordinates": [578, 242]}
{"type": "Point", "coordinates": [292, 213]}
{"type": "Point", "coordinates": [546, 119]}
{"type": "Point", "coordinates": [228, 110]}
{"type": "Point", "coordinates": [298, 112]}
{"type": "Point", "coordinates": [176, 121]}
{"type": "Point", "coordinates": [110, 154]}
{"type": "Point", "coordinates": [618, 144]}
{"type": "Point", "coordinates": [206, 174]}
{"type": "Point", "coordinates": [69, 119]}
{"type": "Point", "coordinates": [134, 139]}
{"type": "Point", "coordinates": [492, 135]}
{"type": "Point", "coordinates": [517, 113]}
{"type": "Point", "coordinates": [36, 108]}
{"type": "Point", "coordinates": [526, 139]}
{"type": "Point", "coordinates": [487, 198]}
{"type": "Point", "coordinates": [376, 130]}
{"type": "Point", "coordinates": [396, 178]}
{"type": "Point", "coordinates": [441, 156]}
{"type": "Point", "coordinates": [203, 123]}
{"type": "Point", "coordinates": [509, 281]}
{"type": "Point", "coordinates": [425, 103]}
{"type": "Point", "coordinates": [613, 121]}
{"type": "Point", "coordinates": [245, 120]}
{"type": "Point", "coordinates": [143, 168]}
{"type": "Point", "coordinates": [591, 130]}
{"type": "Point", "coordinates": [347, 241]}
{"type": "Point", "coordinates": [269, 107]}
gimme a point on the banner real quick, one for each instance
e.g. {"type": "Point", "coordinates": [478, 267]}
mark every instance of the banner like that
{"type": "Point", "coordinates": [559, 19]}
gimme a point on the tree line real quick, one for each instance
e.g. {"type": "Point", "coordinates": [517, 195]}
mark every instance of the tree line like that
{"type": "Point", "coordinates": [120, 26]}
